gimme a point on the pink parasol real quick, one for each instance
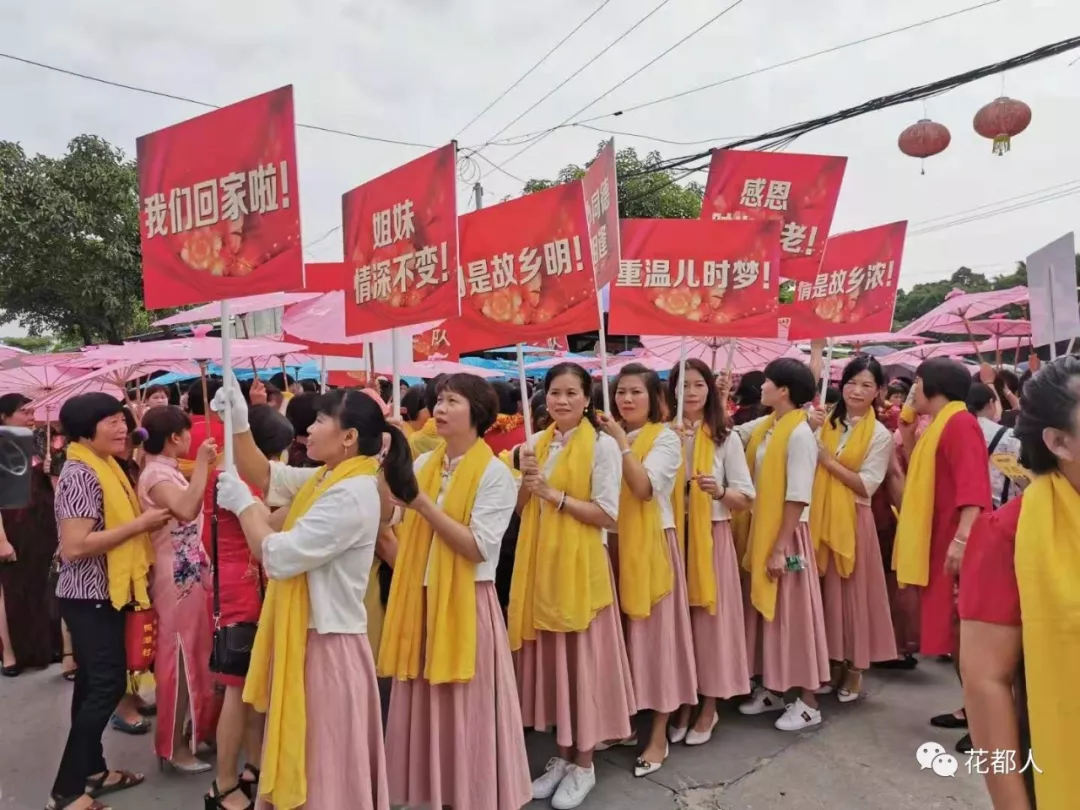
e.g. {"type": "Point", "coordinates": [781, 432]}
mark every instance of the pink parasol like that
{"type": "Point", "coordinates": [429, 369]}
{"type": "Point", "coordinates": [562, 357]}
{"type": "Point", "coordinates": [8, 352]}
{"type": "Point", "coordinates": [749, 353]}
{"type": "Point", "coordinates": [320, 323]}
{"type": "Point", "coordinates": [644, 357]}
{"type": "Point", "coordinates": [996, 325]}
{"type": "Point", "coordinates": [112, 379]}
{"type": "Point", "coordinates": [873, 338]}
{"type": "Point", "coordinates": [237, 306]}
{"type": "Point", "coordinates": [78, 361]}
{"type": "Point", "coordinates": [34, 382]}
{"type": "Point", "coordinates": [960, 307]}
{"type": "Point", "coordinates": [192, 350]}
{"type": "Point", "coordinates": [916, 354]}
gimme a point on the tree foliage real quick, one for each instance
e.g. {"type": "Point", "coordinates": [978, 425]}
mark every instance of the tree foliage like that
{"type": "Point", "coordinates": [657, 195]}
{"type": "Point", "coordinates": [69, 242]}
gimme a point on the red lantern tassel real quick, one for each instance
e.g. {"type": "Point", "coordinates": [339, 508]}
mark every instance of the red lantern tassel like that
{"type": "Point", "coordinates": [1002, 144]}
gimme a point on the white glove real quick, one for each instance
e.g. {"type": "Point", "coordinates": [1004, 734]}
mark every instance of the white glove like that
{"type": "Point", "coordinates": [235, 402]}
{"type": "Point", "coordinates": [233, 494]}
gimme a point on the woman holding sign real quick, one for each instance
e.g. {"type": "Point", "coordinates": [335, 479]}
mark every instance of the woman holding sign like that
{"type": "Point", "coordinates": [573, 674]}
{"type": "Point", "coordinates": [785, 624]}
{"type": "Point", "coordinates": [652, 578]}
{"type": "Point", "coordinates": [855, 451]}
{"type": "Point", "coordinates": [717, 482]}
{"type": "Point", "coordinates": [311, 668]}
{"type": "Point", "coordinates": [454, 736]}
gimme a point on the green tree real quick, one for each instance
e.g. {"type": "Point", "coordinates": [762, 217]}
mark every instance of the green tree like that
{"type": "Point", "coordinates": [30, 344]}
{"type": "Point", "coordinates": [658, 195]}
{"type": "Point", "coordinates": [69, 242]}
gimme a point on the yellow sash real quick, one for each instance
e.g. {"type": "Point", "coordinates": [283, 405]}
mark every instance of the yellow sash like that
{"type": "Point", "coordinates": [425, 440]}
{"type": "Point", "coordinates": [450, 649]}
{"type": "Point", "coordinates": [373, 606]}
{"type": "Point", "coordinates": [832, 504]}
{"type": "Point", "coordinates": [275, 679]}
{"type": "Point", "coordinates": [768, 515]}
{"type": "Point", "coordinates": [1047, 564]}
{"type": "Point", "coordinates": [561, 574]}
{"type": "Point", "coordinates": [645, 572]}
{"type": "Point", "coordinates": [911, 552]}
{"type": "Point", "coordinates": [129, 563]}
{"type": "Point", "coordinates": [698, 548]}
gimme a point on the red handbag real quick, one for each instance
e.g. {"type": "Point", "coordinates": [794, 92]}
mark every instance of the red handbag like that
{"type": "Point", "coordinates": [140, 639]}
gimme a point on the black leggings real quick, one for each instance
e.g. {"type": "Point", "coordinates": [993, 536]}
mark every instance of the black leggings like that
{"type": "Point", "coordinates": [97, 639]}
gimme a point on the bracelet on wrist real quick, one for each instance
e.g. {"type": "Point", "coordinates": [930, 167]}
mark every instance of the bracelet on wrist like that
{"type": "Point", "coordinates": [562, 503]}
{"type": "Point", "coordinates": [626, 452]}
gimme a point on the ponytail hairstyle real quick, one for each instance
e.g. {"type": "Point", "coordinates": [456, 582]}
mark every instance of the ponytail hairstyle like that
{"type": "Point", "coordinates": [863, 362]}
{"type": "Point", "coordinates": [358, 411]}
{"type": "Point", "coordinates": [161, 424]}
{"type": "Point", "coordinates": [714, 419]}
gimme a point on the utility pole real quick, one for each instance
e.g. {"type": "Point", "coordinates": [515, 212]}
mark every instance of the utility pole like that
{"type": "Point", "coordinates": [478, 192]}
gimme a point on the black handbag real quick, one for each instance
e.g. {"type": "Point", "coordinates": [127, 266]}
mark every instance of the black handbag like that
{"type": "Point", "coordinates": [232, 644]}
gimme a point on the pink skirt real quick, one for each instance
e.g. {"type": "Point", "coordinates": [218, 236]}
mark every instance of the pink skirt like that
{"type": "Point", "coordinates": [661, 647]}
{"type": "Point", "coordinates": [346, 762]}
{"type": "Point", "coordinates": [858, 624]}
{"type": "Point", "coordinates": [791, 651]}
{"type": "Point", "coordinates": [720, 638]}
{"type": "Point", "coordinates": [462, 745]}
{"type": "Point", "coordinates": [578, 683]}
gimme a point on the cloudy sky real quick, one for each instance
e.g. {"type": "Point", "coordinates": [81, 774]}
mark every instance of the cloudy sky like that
{"type": "Point", "coordinates": [420, 70]}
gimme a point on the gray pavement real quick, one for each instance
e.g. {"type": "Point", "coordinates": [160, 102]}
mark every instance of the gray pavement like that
{"type": "Point", "coordinates": [861, 758]}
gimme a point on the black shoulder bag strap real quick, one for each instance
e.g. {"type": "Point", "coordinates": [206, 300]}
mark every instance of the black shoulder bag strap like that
{"type": "Point", "coordinates": [990, 450]}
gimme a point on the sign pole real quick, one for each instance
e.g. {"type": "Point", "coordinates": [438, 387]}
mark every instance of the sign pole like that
{"type": "Point", "coordinates": [229, 379]}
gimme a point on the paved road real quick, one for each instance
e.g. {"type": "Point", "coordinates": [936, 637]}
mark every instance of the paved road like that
{"type": "Point", "coordinates": [861, 758]}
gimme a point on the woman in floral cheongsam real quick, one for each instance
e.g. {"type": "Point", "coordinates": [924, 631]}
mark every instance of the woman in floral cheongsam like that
{"type": "Point", "coordinates": [178, 589]}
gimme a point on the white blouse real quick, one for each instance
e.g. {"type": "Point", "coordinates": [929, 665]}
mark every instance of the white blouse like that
{"type": "Point", "coordinates": [876, 464]}
{"type": "Point", "coordinates": [492, 509]}
{"type": "Point", "coordinates": [729, 469]}
{"type": "Point", "coordinates": [606, 484]}
{"type": "Point", "coordinates": [802, 457]}
{"type": "Point", "coordinates": [662, 466]}
{"type": "Point", "coordinates": [333, 543]}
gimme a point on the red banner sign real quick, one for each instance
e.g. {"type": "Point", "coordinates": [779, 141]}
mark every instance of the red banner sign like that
{"type": "Point", "coordinates": [697, 277]}
{"type": "Point", "coordinates": [220, 209]}
{"type": "Point", "coordinates": [602, 210]}
{"type": "Point", "coordinates": [526, 271]}
{"type": "Point", "coordinates": [855, 292]}
{"type": "Point", "coordinates": [800, 190]}
{"type": "Point", "coordinates": [433, 343]}
{"type": "Point", "coordinates": [401, 245]}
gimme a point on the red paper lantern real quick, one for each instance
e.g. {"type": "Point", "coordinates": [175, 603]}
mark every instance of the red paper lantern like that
{"type": "Point", "coordinates": [1001, 120]}
{"type": "Point", "coordinates": [923, 139]}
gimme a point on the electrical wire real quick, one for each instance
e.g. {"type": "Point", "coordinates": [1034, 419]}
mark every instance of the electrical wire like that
{"type": "Point", "coordinates": [529, 72]}
{"type": "Point", "coordinates": [637, 72]}
{"type": "Point", "coordinates": [998, 212]}
{"type": "Point", "coordinates": [186, 100]}
{"type": "Point", "coordinates": [565, 81]}
{"type": "Point", "coordinates": [932, 220]}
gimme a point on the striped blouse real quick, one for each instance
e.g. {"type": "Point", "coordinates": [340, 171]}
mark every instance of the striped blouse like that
{"type": "Point", "coordinates": [79, 495]}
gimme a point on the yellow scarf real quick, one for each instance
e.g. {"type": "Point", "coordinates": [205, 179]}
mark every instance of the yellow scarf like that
{"type": "Point", "coordinates": [129, 563]}
{"type": "Point", "coordinates": [1047, 564]}
{"type": "Point", "coordinates": [698, 548]}
{"type": "Point", "coordinates": [645, 573]}
{"type": "Point", "coordinates": [911, 552]}
{"type": "Point", "coordinates": [373, 606]}
{"type": "Point", "coordinates": [561, 578]}
{"type": "Point", "coordinates": [425, 440]}
{"type": "Point", "coordinates": [771, 485]}
{"type": "Point", "coordinates": [275, 679]}
{"type": "Point", "coordinates": [832, 504]}
{"type": "Point", "coordinates": [450, 649]}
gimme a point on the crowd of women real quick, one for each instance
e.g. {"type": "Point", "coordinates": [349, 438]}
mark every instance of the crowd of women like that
{"type": "Point", "coordinates": [610, 565]}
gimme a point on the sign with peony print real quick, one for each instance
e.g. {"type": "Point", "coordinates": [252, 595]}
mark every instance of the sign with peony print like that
{"type": "Point", "coordinates": [855, 291]}
{"type": "Point", "coordinates": [220, 210]}
{"type": "Point", "coordinates": [602, 211]}
{"type": "Point", "coordinates": [527, 271]}
{"type": "Point", "coordinates": [401, 245]}
{"type": "Point", "coordinates": [432, 343]}
{"type": "Point", "coordinates": [799, 190]}
{"type": "Point", "coordinates": [697, 277]}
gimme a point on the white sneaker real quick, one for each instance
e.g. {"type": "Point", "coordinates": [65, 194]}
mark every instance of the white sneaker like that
{"type": "Point", "coordinates": [574, 787]}
{"type": "Point", "coordinates": [762, 702]}
{"type": "Point", "coordinates": [556, 770]}
{"type": "Point", "coordinates": [798, 716]}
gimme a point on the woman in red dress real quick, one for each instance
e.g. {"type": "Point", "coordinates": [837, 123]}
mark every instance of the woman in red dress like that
{"type": "Point", "coordinates": [241, 584]}
{"type": "Point", "coordinates": [948, 487]}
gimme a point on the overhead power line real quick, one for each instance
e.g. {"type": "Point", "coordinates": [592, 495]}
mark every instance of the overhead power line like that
{"type": "Point", "coordinates": [147, 91]}
{"type": "Point", "coordinates": [529, 72]}
{"type": "Point", "coordinates": [637, 72]}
